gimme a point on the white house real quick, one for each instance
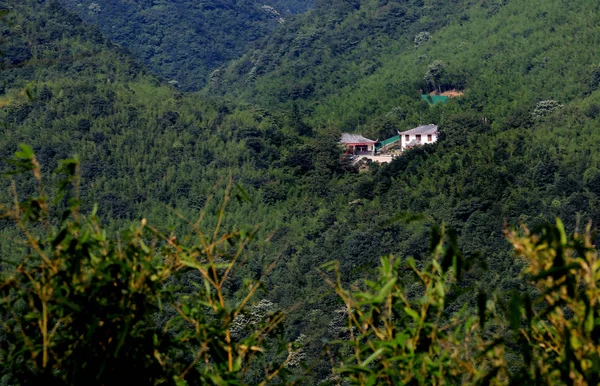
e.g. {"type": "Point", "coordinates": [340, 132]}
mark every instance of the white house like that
{"type": "Point", "coordinates": [418, 136]}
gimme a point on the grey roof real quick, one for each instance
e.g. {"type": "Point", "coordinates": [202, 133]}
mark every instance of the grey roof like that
{"type": "Point", "coordinates": [355, 138]}
{"type": "Point", "coordinates": [414, 142]}
{"type": "Point", "coordinates": [423, 129]}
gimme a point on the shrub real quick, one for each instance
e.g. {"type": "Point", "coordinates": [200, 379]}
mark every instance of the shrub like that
{"type": "Point", "coordinates": [422, 37]}
{"type": "Point", "coordinates": [406, 335]}
{"type": "Point", "coordinates": [81, 308]}
{"type": "Point", "coordinates": [545, 108]}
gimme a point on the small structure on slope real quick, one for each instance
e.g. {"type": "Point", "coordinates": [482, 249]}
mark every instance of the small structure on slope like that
{"type": "Point", "coordinates": [357, 144]}
{"type": "Point", "coordinates": [384, 145]}
{"type": "Point", "coordinates": [421, 135]}
{"type": "Point", "coordinates": [435, 97]}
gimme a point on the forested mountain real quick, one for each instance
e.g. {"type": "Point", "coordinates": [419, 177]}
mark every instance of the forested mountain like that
{"type": "Point", "coordinates": [185, 40]}
{"type": "Point", "coordinates": [353, 62]}
{"type": "Point", "coordinates": [519, 146]}
{"type": "Point", "coordinates": [333, 45]}
{"type": "Point", "coordinates": [527, 112]}
{"type": "Point", "coordinates": [148, 151]}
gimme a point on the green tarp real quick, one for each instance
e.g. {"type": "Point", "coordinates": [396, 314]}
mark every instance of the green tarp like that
{"type": "Point", "coordinates": [388, 141]}
{"type": "Point", "coordinates": [434, 99]}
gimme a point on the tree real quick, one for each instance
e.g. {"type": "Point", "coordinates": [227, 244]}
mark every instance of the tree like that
{"type": "Point", "coordinates": [422, 37]}
{"type": "Point", "coordinates": [435, 72]}
{"type": "Point", "coordinates": [545, 108]}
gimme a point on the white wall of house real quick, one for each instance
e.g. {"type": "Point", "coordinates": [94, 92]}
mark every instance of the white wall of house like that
{"type": "Point", "coordinates": [424, 138]}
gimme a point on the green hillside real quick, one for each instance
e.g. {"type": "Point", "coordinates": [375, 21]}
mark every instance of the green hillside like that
{"type": "Point", "coordinates": [528, 72]}
{"type": "Point", "coordinates": [505, 54]}
{"type": "Point", "coordinates": [183, 40]}
{"type": "Point", "coordinates": [518, 147]}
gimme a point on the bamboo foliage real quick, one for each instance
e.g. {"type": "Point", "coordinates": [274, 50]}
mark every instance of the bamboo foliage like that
{"type": "Point", "coordinates": [562, 326]}
{"type": "Point", "coordinates": [83, 309]}
{"type": "Point", "coordinates": [399, 337]}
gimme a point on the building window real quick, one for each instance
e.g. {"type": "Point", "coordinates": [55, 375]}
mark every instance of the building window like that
{"type": "Point", "coordinates": [428, 137]}
{"type": "Point", "coordinates": [407, 137]}
{"type": "Point", "coordinates": [418, 137]}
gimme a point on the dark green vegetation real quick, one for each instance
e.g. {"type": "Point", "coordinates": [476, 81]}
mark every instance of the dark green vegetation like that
{"type": "Point", "coordinates": [185, 40]}
{"type": "Point", "coordinates": [403, 336]}
{"type": "Point", "coordinates": [351, 63]}
{"type": "Point", "coordinates": [147, 150]}
{"type": "Point", "coordinates": [81, 308]}
{"type": "Point", "coordinates": [153, 308]}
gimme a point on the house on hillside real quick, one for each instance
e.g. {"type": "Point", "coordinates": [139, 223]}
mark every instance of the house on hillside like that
{"type": "Point", "coordinates": [357, 144]}
{"type": "Point", "coordinates": [418, 136]}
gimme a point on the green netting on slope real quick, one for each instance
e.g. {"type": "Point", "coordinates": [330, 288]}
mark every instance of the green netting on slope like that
{"type": "Point", "coordinates": [388, 141]}
{"type": "Point", "coordinates": [434, 99]}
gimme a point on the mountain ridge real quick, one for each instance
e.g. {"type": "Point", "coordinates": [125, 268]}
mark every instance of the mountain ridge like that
{"type": "Point", "coordinates": [470, 42]}
{"type": "Point", "coordinates": [182, 40]}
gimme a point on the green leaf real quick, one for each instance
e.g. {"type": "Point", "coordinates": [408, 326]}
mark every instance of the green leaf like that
{"type": "Point", "coordinates": [144, 247]}
{"type": "Point", "coordinates": [561, 229]}
{"type": "Point", "coordinates": [351, 369]}
{"type": "Point", "coordinates": [589, 322]}
{"type": "Point", "coordinates": [189, 263]}
{"type": "Point", "coordinates": [241, 193]}
{"type": "Point", "coordinates": [25, 153]}
{"type": "Point", "coordinates": [385, 291]}
{"type": "Point", "coordinates": [31, 316]}
{"type": "Point", "coordinates": [412, 313]}
{"type": "Point", "coordinates": [330, 266]}
{"type": "Point", "coordinates": [385, 265]}
{"type": "Point", "coordinates": [373, 356]}
{"type": "Point", "coordinates": [401, 339]}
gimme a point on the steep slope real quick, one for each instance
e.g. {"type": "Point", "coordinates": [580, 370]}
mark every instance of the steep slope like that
{"type": "Point", "coordinates": [354, 69]}
{"type": "Point", "coordinates": [519, 147]}
{"type": "Point", "coordinates": [145, 146]}
{"type": "Point", "coordinates": [142, 145]}
{"type": "Point", "coordinates": [528, 71]}
{"type": "Point", "coordinates": [334, 45]}
{"type": "Point", "coordinates": [184, 40]}
{"type": "Point", "coordinates": [148, 151]}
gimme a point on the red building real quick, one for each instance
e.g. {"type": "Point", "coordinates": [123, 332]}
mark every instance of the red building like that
{"type": "Point", "coordinates": [357, 144]}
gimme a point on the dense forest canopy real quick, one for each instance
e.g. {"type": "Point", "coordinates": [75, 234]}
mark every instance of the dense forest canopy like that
{"type": "Point", "coordinates": [184, 41]}
{"type": "Point", "coordinates": [355, 61]}
{"type": "Point", "coordinates": [518, 147]}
